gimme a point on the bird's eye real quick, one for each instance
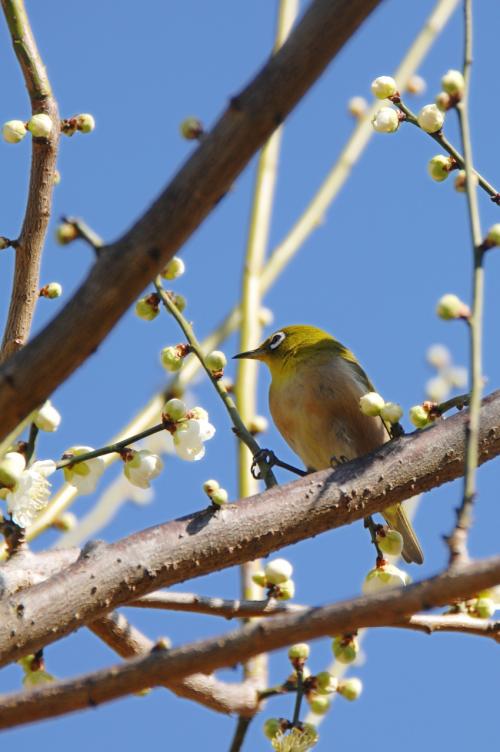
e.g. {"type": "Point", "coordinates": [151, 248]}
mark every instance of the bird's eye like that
{"type": "Point", "coordinates": [276, 340]}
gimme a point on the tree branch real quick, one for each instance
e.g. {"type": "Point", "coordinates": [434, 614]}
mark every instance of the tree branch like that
{"type": "Point", "coordinates": [200, 604]}
{"type": "Point", "coordinates": [29, 245]}
{"type": "Point", "coordinates": [382, 609]}
{"type": "Point", "coordinates": [106, 576]}
{"type": "Point", "coordinates": [31, 375]}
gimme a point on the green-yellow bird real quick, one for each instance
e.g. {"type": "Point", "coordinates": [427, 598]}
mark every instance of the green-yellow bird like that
{"type": "Point", "coordinates": [314, 401]}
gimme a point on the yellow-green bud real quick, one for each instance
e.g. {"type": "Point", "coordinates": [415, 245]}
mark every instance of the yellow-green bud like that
{"type": "Point", "coordinates": [419, 416]}
{"type": "Point", "coordinates": [272, 727]}
{"type": "Point", "coordinates": [345, 649]}
{"type": "Point", "coordinates": [14, 131]}
{"type": "Point", "coordinates": [286, 590]}
{"type": "Point", "coordinates": [461, 181]}
{"type": "Point", "coordinates": [210, 486]}
{"type": "Point", "coordinates": [175, 409]}
{"type": "Point", "coordinates": [443, 101]}
{"type": "Point", "coordinates": [179, 301]}
{"type": "Point", "coordinates": [66, 522]}
{"type": "Point", "coordinates": [326, 683]}
{"type": "Point", "coordinates": [350, 688]}
{"type": "Point", "coordinates": [391, 412]}
{"type": "Point", "coordinates": [259, 578]}
{"type": "Point", "coordinates": [12, 465]}
{"type": "Point", "coordinates": [219, 497]}
{"type": "Point", "coordinates": [437, 389]}
{"type": "Point", "coordinates": [319, 704]}
{"type": "Point", "coordinates": [493, 236]}
{"type": "Point", "coordinates": [451, 307]}
{"type": "Point", "coordinates": [147, 308]}
{"type": "Point", "coordinates": [278, 571]}
{"type": "Point", "coordinates": [66, 233]}
{"type": "Point", "coordinates": [484, 608]}
{"type": "Point", "coordinates": [390, 542]}
{"type": "Point", "coordinates": [85, 122]}
{"type": "Point", "coordinates": [4, 243]}
{"type": "Point", "coordinates": [430, 118]}
{"type": "Point", "coordinates": [300, 651]}
{"type": "Point", "coordinates": [216, 361]}
{"type": "Point", "coordinates": [386, 120]}
{"type": "Point", "coordinates": [174, 269]}
{"type": "Point", "coordinates": [416, 85]}
{"type": "Point", "coordinates": [34, 678]}
{"type": "Point", "coordinates": [258, 424]}
{"type": "Point", "coordinates": [51, 291]}
{"type": "Point", "coordinates": [357, 106]}
{"type": "Point", "coordinates": [57, 177]}
{"type": "Point", "coordinates": [453, 83]}
{"type": "Point", "coordinates": [384, 87]}
{"type": "Point", "coordinates": [40, 125]}
{"type": "Point", "coordinates": [191, 128]}
{"type": "Point", "coordinates": [439, 167]}
{"type": "Point", "coordinates": [170, 359]}
{"type": "Point", "coordinates": [371, 404]}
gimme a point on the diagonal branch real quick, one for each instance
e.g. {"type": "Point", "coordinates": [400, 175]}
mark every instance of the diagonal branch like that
{"type": "Point", "coordinates": [31, 375]}
{"type": "Point", "coordinates": [106, 576]}
{"type": "Point", "coordinates": [29, 245]}
{"type": "Point", "coordinates": [383, 609]}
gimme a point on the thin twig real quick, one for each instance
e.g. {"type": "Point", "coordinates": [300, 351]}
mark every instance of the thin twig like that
{"type": "Point", "coordinates": [116, 447]}
{"type": "Point", "coordinates": [200, 604]}
{"type": "Point", "coordinates": [240, 732]}
{"type": "Point", "coordinates": [29, 245]}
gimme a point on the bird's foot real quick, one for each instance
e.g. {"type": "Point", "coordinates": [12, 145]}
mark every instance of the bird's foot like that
{"type": "Point", "coordinates": [336, 461]}
{"type": "Point", "coordinates": [268, 458]}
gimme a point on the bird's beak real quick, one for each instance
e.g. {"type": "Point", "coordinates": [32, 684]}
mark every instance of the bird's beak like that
{"type": "Point", "coordinates": [251, 354]}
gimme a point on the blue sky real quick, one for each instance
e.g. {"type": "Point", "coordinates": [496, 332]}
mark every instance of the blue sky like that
{"type": "Point", "coordinates": [389, 247]}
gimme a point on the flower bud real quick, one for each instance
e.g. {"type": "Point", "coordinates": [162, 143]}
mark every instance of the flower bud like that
{"type": "Point", "coordinates": [278, 571]}
{"type": "Point", "coordinates": [66, 233]}
{"type": "Point", "coordinates": [174, 269]}
{"type": "Point", "coordinates": [210, 486]}
{"type": "Point", "coordinates": [219, 497]}
{"type": "Point", "coordinates": [451, 307]}
{"type": "Point", "coordinates": [345, 648]}
{"type": "Point", "coordinates": [285, 590]}
{"type": "Point", "coordinates": [386, 120]}
{"type": "Point", "coordinates": [391, 412]}
{"type": "Point", "coordinates": [443, 101]}
{"type": "Point", "coordinates": [47, 418]}
{"type": "Point", "coordinates": [4, 243]}
{"type": "Point", "coordinates": [437, 389]}
{"type": "Point", "coordinates": [175, 409]}
{"type": "Point", "coordinates": [57, 177]}
{"type": "Point", "coordinates": [12, 465]}
{"type": "Point", "coordinates": [147, 308]}
{"type": "Point", "coordinates": [371, 404]}
{"type": "Point", "coordinates": [259, 578]}
{"type": "Point", "coordinates": [258, 424]}
{"type": "Point", "coordinates": [51, 291]}
{"type": "Point", "coordinates": [191, 128]}
{"type": "Point", "coordinates": [430, 118]}
{"type": "Point", "coordinates": [179, 301]}
{"type": "Point", "coordinates": [266, 316]}
{"type": "Point", "coordinates": [385, 577]}
{"type": "Point", "coordinates": [461, 181]}
{"type": "Point", "coordinates": [170, 359]}
{"type": "Point", "coordinates": [439, 167]}
{"type": "Point", "coordinates": [493, 236]}
{"type": "Point", "coordinates": [14, 131]}
{"type": "Point", "coordinates": [216, 361]}
{"type": "Point", "coordinates": [326, 683]}
{"type": "Point", "coordinates": [483, 608]}
{"type": "Point", "coordinates": [299, 652]}
{"type": "Point", "coordinates": [419, 416]}
{"type": "Point", "coordinates": [456, 376]}
{"type": "Point", "coordinates": [318, 703]}
{"type": "Point", "coordinates": [438, 356]}
{"type": "Point", "coordinates": [272, 727]}
{"type": "Point", "coordinates": [453, 83]}
{"type": "Point", "coordinates": [350, 688]}
{"type": "Point", "coordinates": [384, 87]}
{"type": "Point", "coordinates": [357, 106]}
{"type": "Point", "coordinates": [390, 542]}
{"type": "Point", "coordinates": [66, 522]}
{"type": "Point", "coordinates": [416, 85]}
{"type": "Point", "coordinates": [40, 125]}
{"type": "Point", "coordinates": [85, 122]}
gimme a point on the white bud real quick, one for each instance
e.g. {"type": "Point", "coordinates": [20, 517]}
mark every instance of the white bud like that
{"type": "Point", "coordinates": [430, 118]}
{"type": "Point", "coordinates": [371, 404]}
{"type": "Point", "coordinates": [453, 83]}
{"type": "Point", "coordinates": [386, 120]}
{"type": "Point", "coordinates": [12, 465]}
{"type": "Point", "coordinates": [439, 167]}
{"type": "Point", "coordinates": [170, 359]}
{"type": "Point", "coordinates": [210, 486]}
{"type": "Point", "coordinates": [219, 497]}
{"type": "Point", "coordinates": [438, 356]}
{"type": "Point", "coordinates": [47, 418]}
{"type": "Point", "coordinates": [85, 122]}
{"type": "Point", "coordinates": [14, 131]}
{"type": "Point", "coordinates": [357, 106]}
{"type": "Point", "coordinates": [416, 85]}
{"type": "Point", "coordinates": [175, 409]}
{"type": "Point", "coordinates": [216, 361]}
{"type": "Point", "coordinates": [278, 571]}
{"type": "Point", "coordinates": [437, 389]}
{"type": "Point", "coordinates": [40, 125]}
{"type": "Point", "coordinates": [384, 87]}
{"type": "Point", "coordinates": [493, 236]}
{"type": "Point", "coordinates": [419, 416]}
{"type": "Point", "coordinates": [350, 688]}
{"type": "Point", "coordinates": [390, 542]}
{"type": "Point", "coordinates": [451, 307]}
{"type": "Point", "coordinates": [461, 181]}
{"type": "Point", "coordinates": [391, 412]}
{"type": "Point", "coordinates": [385, 577]}
{"type": "Point", "coordinates": [174, 269]}
{"type": "Point", "coordinates": [51, 291]}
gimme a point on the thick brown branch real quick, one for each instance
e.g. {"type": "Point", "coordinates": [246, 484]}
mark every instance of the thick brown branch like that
{"type": "Point", "coordinates": [29, 245]}
{"type": "Point", "coordinates": [460, 623]}
{"type": "Point", "coordinates": [207, 690]}
{"type": "Point", "coordinates": [107, 576]}
{"type": "Point", "coordinates": [370, 611]}
{"type": "Point", "coordinates": [134, 260]}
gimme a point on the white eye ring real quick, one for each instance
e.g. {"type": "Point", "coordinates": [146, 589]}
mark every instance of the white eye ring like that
{"type": "Point", "coordinates": [276, 340]}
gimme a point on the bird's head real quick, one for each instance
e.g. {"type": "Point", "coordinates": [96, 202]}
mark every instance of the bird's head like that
{"type": "Point", "coordinates": [288, 347]}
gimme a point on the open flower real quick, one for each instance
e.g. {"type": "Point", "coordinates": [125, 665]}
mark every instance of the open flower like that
{"type": "Point", "coordinates": [190, 435]}
{"type": "Point", "coordinates": [141, 467]}
{"type": "Point", "coordinates": [83, 475]}
{"type": "Point", "coordinates": [31, 493]}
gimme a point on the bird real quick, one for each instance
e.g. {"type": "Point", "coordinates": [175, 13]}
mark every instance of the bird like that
{"type": "Point", "coordinates": [316, 385]}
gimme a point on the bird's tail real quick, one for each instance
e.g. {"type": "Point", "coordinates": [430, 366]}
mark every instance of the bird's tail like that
{"type": "Point", "coordinates": [397, 518]}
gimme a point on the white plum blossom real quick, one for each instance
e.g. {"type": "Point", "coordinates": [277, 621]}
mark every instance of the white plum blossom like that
{"type": "Point", "coordinates": [47, 418]}
{"type": "Point", "coordinates": [386, 120]}
{"type": "Point", "coordinates": [385, 577]}
{"type": "Point", "coordinates": [31, 493]}
{"type": "Point", "coordinates": [141, 467]}
{"type": "Point", "coordinates": [430, 118]}
{"type": "Point", "coordinates": [83, 475]}
{"type": "Point", "coordinates": [384, 87]}
{"type": "Point", "coordinates": [190, 435]}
